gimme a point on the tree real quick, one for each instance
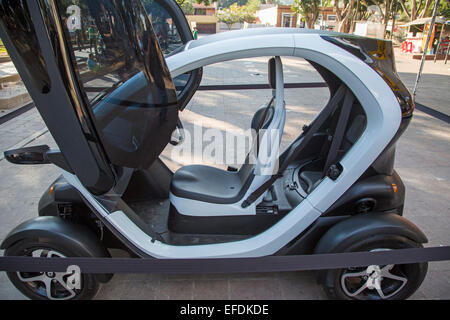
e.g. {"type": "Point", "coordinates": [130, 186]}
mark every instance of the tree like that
{"type": "Point", "coordinates": [205, 2]}
{"type": "Point", "coordinates": [229, 16]}
{"type": "Point", "coordinates": [445, 9]}
{"type": "Point", "coordinates": [253, 5]}
{"type": "Point", "coordinates": [415, 9]}
{"type": "Point", "coordinates": [247, 16]}
{"type": "Point", "coordinates": [308, 9]}
{"type": "Point", "coordinates": [235, 14]}
{"type": "Point", "coordinates": [187, 6]}
{"type": "Point", "coordinates": [345, 14]}
{"type": "Point", "coordinates": [228, 3]}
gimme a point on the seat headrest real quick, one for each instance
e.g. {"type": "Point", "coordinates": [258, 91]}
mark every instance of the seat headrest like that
{"type": "Point", "coordinates": [272, 73]}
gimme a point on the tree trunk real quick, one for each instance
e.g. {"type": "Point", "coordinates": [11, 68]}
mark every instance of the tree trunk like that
{"type": "Point", "coordinates": [358, 9]}
{"type": "Point", "coordinates": [402, 2]}
{"type": "Point", "coordinates": [344, 16]}
{"type": "Point", "coordinates": [394, 13]}
{"type": "Point", "coordinates": [387, 6]}
{"type": "Point", "coordinates": [413, 10]}
{"type": "Point", "coordinates": [309, 22]}
{"type": "Point", "coordinates": [355, 16]}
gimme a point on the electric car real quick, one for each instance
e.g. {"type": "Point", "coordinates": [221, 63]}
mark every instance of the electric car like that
{"type": "Point", "coordinates": [112, 108]}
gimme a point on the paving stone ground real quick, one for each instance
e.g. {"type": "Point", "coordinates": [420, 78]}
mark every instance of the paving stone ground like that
{"type": "Point", "coordinates": [423, 162]}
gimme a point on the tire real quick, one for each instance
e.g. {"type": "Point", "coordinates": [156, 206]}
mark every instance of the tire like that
{"type": "Point", "coordinates": [57, 281]}
{"type": "Point", "coordinates": [343, 284]}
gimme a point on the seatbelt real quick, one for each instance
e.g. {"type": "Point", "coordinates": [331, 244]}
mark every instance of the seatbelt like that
{"type": "Point", "coordinates": [339, 131]}
{"type": "Point", "coordinates": [326, 146]}
{"type": "Point", "coordinates": [298, 145]}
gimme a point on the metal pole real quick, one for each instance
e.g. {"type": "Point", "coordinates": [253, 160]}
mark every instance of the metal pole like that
{"type": "Point", "coordinates": [439, 42]}
{"type": "Point", "coordinates": [430, 31]}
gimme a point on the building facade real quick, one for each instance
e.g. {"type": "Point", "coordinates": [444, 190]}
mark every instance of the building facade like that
{"type": "Point", "coordinates": [277, 16]}
{"type": "Point", "coordinates": [204, 18]}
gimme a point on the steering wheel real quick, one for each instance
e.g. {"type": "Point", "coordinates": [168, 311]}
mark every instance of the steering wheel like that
{"type": "Point", "coordinates": [177, 134]}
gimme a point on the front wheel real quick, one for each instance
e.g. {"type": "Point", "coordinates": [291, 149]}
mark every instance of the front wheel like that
{"type": "Point", "coordinates": [50, 285]}
{"type": "Point", "coordinates": [385, 282]}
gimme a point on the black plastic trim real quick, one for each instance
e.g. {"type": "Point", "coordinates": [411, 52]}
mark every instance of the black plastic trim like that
{"type": "Point", "coordinates": [378, 187]}
{"type": "Point", "coordinates": [307, 240]}
{"type": "Point", "coordinates": [61, 231]}
{"type": "Point", "coordinates": [127, 244]}
{"type": "Point", "coordinates": [363, 226]}
{"type": "Point", "coordinates": [379, 55]}
{"type": "Point", "coordinates": [238, 225]}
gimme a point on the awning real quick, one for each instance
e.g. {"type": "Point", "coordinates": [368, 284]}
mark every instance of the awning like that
{"type": "Point", "coordinates": [440, 20]}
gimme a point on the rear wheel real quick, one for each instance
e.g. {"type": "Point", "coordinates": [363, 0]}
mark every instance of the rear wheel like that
{"type": "Point", "coordinates": [377, 282]}
{"type": "Point", "coordinates": [50, 285]}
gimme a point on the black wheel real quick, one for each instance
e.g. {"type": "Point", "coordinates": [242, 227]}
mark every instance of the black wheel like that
{"type": "Point", "coordinates": [49, 285]}
{"type": "Point", "coordinates": [385, 282]}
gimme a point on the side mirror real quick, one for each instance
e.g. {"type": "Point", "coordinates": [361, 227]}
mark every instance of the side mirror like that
{"type": "Point", "coordinates": [29, 155]}
{"type": "Point", "coordinates": [173, 32]}
{"type": "Point", "coordinates": [37, 155]}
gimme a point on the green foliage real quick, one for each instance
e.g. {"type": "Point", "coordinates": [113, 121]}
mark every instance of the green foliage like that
{"type": "Point", "coordinates": [248, 16]}
{"type": "Point", "coordinates": [235, 14]}
{"type": "Point", "coordinates": [306, 7]}
{"type": "Point", "coordinates": [205, 2]}
{"type": "Point", "coordinates": [229, 16]}
{"type": "Point", "coordinates": [444, 9]}
{"type": "Point", "coordinates": [399, 36]}
{"type": "Point", "coordinates": [308, 10]}
{"type": "Point", "coordinates": [253, 5]}
{"type": "Point", "coordinates": [228, 3]}
{"type": "Point", "coordinates": [186, 6]}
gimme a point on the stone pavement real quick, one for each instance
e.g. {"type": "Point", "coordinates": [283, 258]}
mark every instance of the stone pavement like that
{"type": "Point", "coordinates": [7, 69]}
{"type": "Point", "coordinates": [423, 162]}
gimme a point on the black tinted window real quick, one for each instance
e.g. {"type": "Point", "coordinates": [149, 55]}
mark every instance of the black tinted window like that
{"type": "Point", "coordinates": [165, 29]}
{"type": "Point", "coordinates": [16, 21]}
{"type": "Point", "coordinates": [103, 53]}
{"type": "Point", "coordinates": [121, 69]}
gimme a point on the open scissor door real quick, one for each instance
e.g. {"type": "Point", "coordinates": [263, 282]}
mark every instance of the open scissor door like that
{"type": "Point", "coordinates": [98, 77]}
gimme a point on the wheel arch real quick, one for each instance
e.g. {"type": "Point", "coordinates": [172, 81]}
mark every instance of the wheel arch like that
{"type": "Point", "coordinates": [363, 226]}
{"type": "Point", "coordinates": [66, 233]}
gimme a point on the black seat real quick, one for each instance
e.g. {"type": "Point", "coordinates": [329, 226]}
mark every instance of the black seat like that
{"type": "Point", "coordinates": [213, 185]}
{"type": "Point", "coordinates": [209, 184]}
